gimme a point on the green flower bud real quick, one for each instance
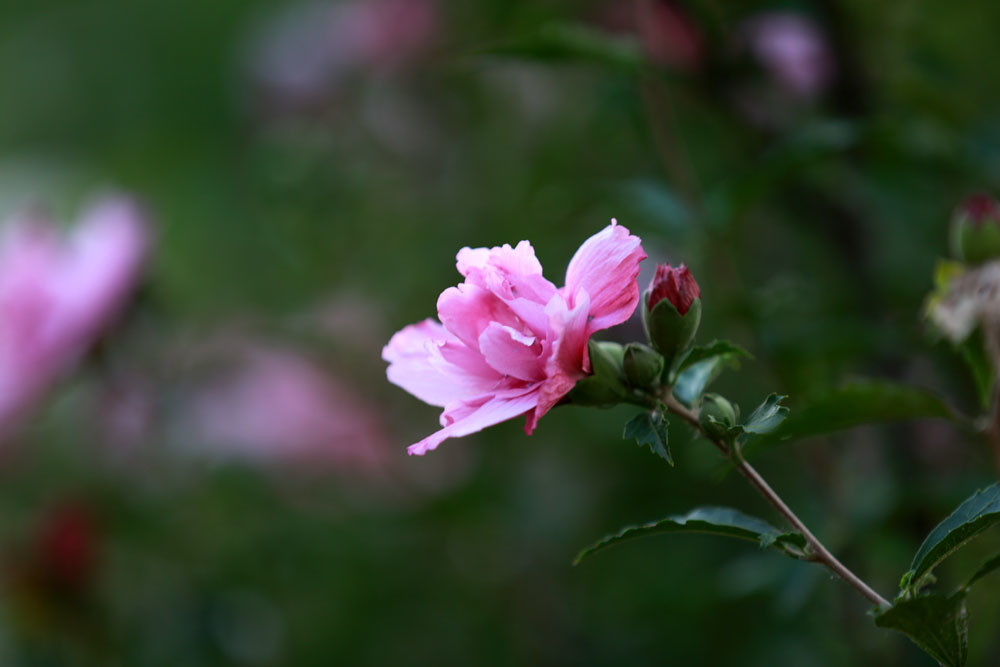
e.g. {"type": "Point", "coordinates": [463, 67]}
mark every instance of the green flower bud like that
{"type": "Point", "coordinates": [717, 415]}
{"type": "Point", "coordinates": [975, 230]}
{"type": "Point", "coordinates": [606, 383]}
{"type": "Point", "coordinates": [643, 366]}
{"type": "Point", "coordinates": [671, 310]}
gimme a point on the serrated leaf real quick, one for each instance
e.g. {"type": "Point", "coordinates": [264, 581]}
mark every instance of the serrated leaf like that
{"type": "Point", "coordinates": [980, 511]}
{"type": "Point", "coordinates": [724, 521]}
{"type": "Point", "coordinates": [767, 417]}
{"type": "Point", "coordinates": [650, 429]}
{"type": "Point", "coordinates": [574, 43]}
{"type": "Point", "coordinates": [986, 568]}
{"type": "Point", "coordinates": [700, 365]}
{"type": "Point", "coordinates": [856, 404]}
{"type": "Point", "coordinates": [936, 623]}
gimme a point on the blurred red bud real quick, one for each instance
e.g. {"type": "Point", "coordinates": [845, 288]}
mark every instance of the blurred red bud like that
{"type": "Point", "coordinates": [66, 547]}
{"type": "Point", "coordinates": [975, 229]}
{"type": "Point", "coordinates": [668, 35]}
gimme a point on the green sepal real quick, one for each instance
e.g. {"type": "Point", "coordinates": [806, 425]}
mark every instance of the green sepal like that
{"type": "Point", "coordinates": [605, 386]}
{"type": "Point", "coordinates": [643, 367]}
{"type": "Point", "coordinates": [975, 243]}
{"type": "Point", "coordinates": [719, 418]}
{"type": "Point", "coordinates": [670, 332]}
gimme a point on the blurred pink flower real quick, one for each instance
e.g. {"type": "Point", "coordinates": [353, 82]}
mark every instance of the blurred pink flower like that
{"type": "Point", "coordinates": [58, 293]}
{"type": "Point", "coordinates": [793, 49]}
{"type": "Point", "coordinates": [278, 407]}
{"type": "Point", "coordinates": [309, 50]}
{"type": "Point", "coordinates": [509, 341]}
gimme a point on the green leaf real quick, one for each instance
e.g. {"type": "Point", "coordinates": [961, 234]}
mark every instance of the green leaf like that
{"type": "Point", "coordinates": [715, 520]}
{"type": "Point", "coordinates": [574, 43]}
{"type": "Point", "coordinates": [980, 511]}
{"type": "Point", "coordinates": [767, 417]}
{"type": "Point", "coordinates": [650, 429]}
{"type": "Point", "coordinates": [856, 404]}
{"type": "Point", "coordinates": [936, 623]}
{"type": "Point", "coordinates": [717, 348]}
{"type": "Point", "coordinates": [700, 365]}
{"type": "Point", "coordinates": [987, 568]}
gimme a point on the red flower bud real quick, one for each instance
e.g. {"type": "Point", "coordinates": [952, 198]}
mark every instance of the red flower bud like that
{"type": "Point", "coordinates": [975, 229]}
{"type": "Point", "coordinates": [979, 208]}
{"type": "Point", "coordinates": [675, 285]}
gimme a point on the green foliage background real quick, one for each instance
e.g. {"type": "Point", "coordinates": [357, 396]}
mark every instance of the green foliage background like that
{"type": "Point", "coordinates": [814, 247]}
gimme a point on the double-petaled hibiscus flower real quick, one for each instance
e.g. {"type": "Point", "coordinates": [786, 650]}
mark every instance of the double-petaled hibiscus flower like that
{"type": "Point", "coordinates": [509, 342]}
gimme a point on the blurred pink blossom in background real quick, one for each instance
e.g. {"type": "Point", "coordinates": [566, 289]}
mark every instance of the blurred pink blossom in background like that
{"type": "Point", "coordinates": [509, 341]}
{"type": "Point", "coordinates": [793, 50]}
{"type": "Point", "coordinates": [306, 52]}
{"type": "Point", "coordinates": [59, 292]}
{"type": "Point", "coordinates": [274, 406]}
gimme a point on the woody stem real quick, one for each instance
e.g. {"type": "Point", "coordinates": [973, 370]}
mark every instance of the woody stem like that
{"type": "Point", "coordinates": [820, 553]}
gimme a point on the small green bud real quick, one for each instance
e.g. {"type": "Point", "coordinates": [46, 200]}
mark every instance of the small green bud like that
{"type": "Point", "coordinates": [671, 310]}
{"type": "Point", "coordinates": [975, 230]}
{"type": "Point", "coordinates": [606, 383]}
{"type": "Point", "coordinates": [642, 365]}
{"type": "Point", "coordinates": [717, 415]}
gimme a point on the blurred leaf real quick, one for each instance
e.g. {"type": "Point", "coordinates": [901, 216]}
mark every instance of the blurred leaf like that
{"type": "Point", "coordinates": [724, 521]}
{"type": "Point", "coordinates": [650, 429]}
{"type": "Point", "coordinates": [857, 404]}
{"type": "Point", "coordinates": [574, 43]}
{"type": "Point", "coordinates": [700, 365]}
{"type": "Point", "coordinates": [658, 203]}
{"type": "Point", "coordinates": [976, 514]}
{"type": "Point", "coordinates": [767, 417]}
{"type": "Point", "coordinates": [937, 624]}
{"type": "Point", "coordinates": [987, 568]}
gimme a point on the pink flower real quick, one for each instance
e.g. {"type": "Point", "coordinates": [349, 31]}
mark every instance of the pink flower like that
{"type": "Point", "coordinates": [58, 293]}
{"type": "Point", "coordinates": [277, 407]}
{"type": "Point", "coordinates": [510, 342]}
{"type": "Point", "coordinates": [310, 50]}
{"type": "Point", "coordinates": [793, 49]}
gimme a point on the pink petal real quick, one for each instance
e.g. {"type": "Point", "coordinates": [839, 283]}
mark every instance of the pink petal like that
{"type": "Point", "coordinates": [511, 353]}
{"type": "Point", "coordinates": [466, 311]}
{"type": "Point", "coordinates": [514, 276]}
{"type": "Point", "coordinates": [417, 365]}
{"type": "Point", "coordinates": [101, 265]}
{"type": "Point", "coordinates": [473, 416]}
{"type": "Point", "coordinates": [565, 365]}
{"type": "Point", "coordinates": [606, 266]}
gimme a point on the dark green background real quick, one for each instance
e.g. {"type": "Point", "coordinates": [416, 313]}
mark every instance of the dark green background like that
{"type": "Point", "coordinates": [813, 244]}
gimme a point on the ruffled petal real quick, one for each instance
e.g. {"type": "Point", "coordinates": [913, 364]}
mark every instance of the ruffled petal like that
{"type": "Point", "coordinates": [512, 353]}
{"type": "Point", "coordinates": [473, 416]}
{"type": "Point", "coordinates": [417, 365]}
{"type": "Point", "coordinates": [565, 364]}
{"type": "Point", "coordinates": [606, 266]}
{"type": "Point", "coordinates": [513, 275]}
{"type": "Point", "coordinates": [466, 311]}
